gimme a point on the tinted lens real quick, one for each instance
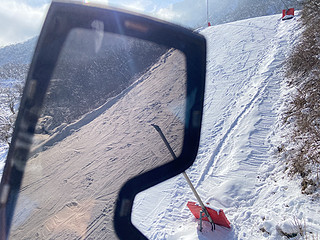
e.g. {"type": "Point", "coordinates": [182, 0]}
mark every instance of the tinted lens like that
{"type": "Point", "coordinates": [95, 132]}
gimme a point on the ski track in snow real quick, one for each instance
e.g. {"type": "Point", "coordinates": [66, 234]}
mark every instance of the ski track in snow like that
{"type": "Point", "coordinates": [235, 168]}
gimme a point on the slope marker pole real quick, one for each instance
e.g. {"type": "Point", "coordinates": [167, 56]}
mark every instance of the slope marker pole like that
{"type": "Point", "coordinates": [209, 24]}
{"type": "Point", "coordinates": [204, 209]}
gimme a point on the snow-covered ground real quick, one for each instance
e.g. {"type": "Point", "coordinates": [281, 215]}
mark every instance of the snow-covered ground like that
{"type": "Point", "coordinates": [16, 54]}
{"type": "Point", "coordinates": [5, 113]}
{"type": "Point", "coordinates": [237, 167]}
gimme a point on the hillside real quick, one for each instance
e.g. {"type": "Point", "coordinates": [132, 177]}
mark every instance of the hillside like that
{"type": "Point", "coordinates": [77, 86]}
{"type": "Point", "coordinates": [230, 10]}
{"type": "Point", "coordinates": [74, 172]}
{"type": "Point", "coordinates": [238, 167]}
{"type": "Point", "coordinates": [14, 64]}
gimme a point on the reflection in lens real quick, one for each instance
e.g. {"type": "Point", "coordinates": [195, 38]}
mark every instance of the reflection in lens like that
{"type": "Point", "coordinates": [95, 133]}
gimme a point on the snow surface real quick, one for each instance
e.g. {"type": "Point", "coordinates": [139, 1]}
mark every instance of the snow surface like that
{"type": "Point", "coordinates": [72, 178]}
{"type": "Point", "coordinates": [15, 54]}
{"type": "Point", "coordinates": [5, 113]}
{"type": "Point", "coordinates": [237, 167]}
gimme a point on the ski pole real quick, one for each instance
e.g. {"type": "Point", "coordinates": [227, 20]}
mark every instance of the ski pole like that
{"type": "Point", "coordinates": [204, 209]}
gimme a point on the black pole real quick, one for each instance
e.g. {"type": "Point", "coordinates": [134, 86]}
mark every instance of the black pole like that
{"type": "Point", "coordinates": [204, 209]}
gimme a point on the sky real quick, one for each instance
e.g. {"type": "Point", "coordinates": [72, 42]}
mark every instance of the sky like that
{"type": "Point", "coordinates": [22, 19]}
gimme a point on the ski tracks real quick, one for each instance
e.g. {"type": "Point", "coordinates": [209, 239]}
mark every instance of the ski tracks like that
{"type": "Point", "coordinates": [247, 88]}
{"type": "Point", "coordinates": [234, 163]}
{"type": "Point", "coordinates": [234, 87]}
{"type": "Point", "coordinates": [244, 71]}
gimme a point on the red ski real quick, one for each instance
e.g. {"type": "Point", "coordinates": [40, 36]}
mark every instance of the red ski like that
{"type": "Point", "coordinates": [218, 218]}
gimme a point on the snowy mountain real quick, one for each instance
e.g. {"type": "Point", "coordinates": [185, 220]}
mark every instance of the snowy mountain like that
{"type": "Point", "coordinates": [114, 69]}
{"type": "Point", "coordinates": [20, 53]}
{"type": "Point", "coordinates": [14, 65]}
{"type": "Point", "coordinates": [229, 11]}
{"type": "Point", "coordinates": [237, 168]}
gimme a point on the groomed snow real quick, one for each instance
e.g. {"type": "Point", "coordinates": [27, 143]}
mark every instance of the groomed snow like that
{"type": "Point", "coordinates": [237, 167]}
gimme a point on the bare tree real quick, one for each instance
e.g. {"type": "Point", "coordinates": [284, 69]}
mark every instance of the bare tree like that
{"type": "Point", "coordinates": [11, 97]}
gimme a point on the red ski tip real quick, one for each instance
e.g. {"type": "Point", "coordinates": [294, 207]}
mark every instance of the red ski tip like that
{"type": "Point", "coordinates": [218, 217]}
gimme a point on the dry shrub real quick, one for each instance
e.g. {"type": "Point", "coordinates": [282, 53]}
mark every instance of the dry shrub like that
{"type": "Point", "coordinates": [303, 72]}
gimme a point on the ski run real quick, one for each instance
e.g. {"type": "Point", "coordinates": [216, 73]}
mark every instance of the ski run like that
{"type": "Point", "coordinates": [237, 168]}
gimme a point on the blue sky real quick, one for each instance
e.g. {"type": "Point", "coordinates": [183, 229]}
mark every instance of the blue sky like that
{"type": "Point", "coordinates": [22, 19]}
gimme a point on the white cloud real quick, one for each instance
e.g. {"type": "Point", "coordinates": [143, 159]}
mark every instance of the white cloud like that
{"type": "Point", "coordinates": [141, 6]}
{"type": "Point", "coordinates": [186, 12]}
{"type": "Point", "coordinates": [168, 14]}
{"type": "Point", "coordinates": [22, 19]}
{"type": "Point", "coordinates": [137, 6]}
{"type": "Point", "coordinates": [103, 2]}
{"type": "Point", "coordinates": [19, 21]}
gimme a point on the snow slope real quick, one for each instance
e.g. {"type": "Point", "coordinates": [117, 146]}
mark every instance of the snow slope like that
{"type": "Point", "coordinates": [14, 60]}
{"type": "Point", "coordinates": [20, 53]}
{"type": "Point", "coordinates": [237, 168]}
{"type": "Point", "coordinates": [72, 180]}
